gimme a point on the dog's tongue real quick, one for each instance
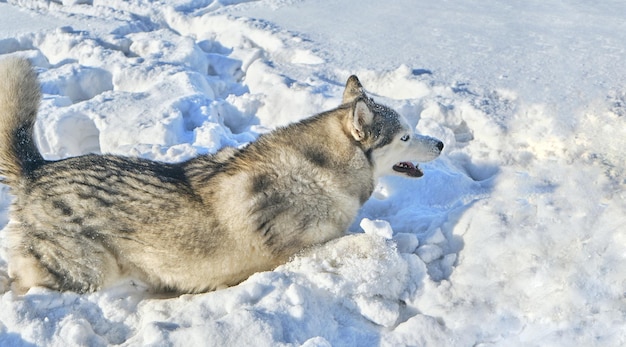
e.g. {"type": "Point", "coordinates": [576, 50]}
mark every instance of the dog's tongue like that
{"type": "Point", "coordinates": [408, 169]}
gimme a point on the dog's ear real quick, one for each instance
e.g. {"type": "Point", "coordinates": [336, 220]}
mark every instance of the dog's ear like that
{"type": "Point", "coordinates": [353, 90]}
{"type": "Point", "coordinates": [362, 117]}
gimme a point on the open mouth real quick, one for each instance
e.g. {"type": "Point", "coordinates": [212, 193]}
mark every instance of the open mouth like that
{"type": "Point", "coordinates": [408, 169]}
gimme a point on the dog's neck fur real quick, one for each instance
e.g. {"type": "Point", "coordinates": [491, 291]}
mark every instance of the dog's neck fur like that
{"type": "Point", "coordinates": [314, 137]}
{"type": "Point", "coordinates": [326, 141]}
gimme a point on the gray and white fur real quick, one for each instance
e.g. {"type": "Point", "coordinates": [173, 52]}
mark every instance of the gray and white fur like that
{"type": "Point", "coordinates": [84, 223]}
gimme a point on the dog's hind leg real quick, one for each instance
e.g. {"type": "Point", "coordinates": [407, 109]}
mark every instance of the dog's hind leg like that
{"type": "Point", "coordinates": [27, 272]}
{"type": "Point", "coordinates": [60, 263]}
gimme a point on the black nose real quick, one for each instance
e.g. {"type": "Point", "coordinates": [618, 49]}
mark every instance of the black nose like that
{"type": "Point", "coordinates": [440, 146]}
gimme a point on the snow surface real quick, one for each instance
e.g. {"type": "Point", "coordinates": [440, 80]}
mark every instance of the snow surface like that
{"type": "Point", "coordinates": [515, 236]}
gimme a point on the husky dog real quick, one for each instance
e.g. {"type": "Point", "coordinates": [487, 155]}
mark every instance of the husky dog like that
{"type": "Point", "coordinates": [83, 223]}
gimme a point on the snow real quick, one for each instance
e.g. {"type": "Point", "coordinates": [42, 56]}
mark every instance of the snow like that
{"type": "Point", "coordinates": [514, 236]}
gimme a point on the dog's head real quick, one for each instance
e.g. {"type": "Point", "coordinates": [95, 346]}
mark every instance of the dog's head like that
{"type": "Point", "coordinates": [385, 136]}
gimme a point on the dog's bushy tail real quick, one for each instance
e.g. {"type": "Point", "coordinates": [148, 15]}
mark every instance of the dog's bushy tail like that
{"type": "Point", "coordinates": [19, 101]}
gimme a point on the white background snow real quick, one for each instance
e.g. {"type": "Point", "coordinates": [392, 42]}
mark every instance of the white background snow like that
{"type": "Point", "coordinates": [514, 237]}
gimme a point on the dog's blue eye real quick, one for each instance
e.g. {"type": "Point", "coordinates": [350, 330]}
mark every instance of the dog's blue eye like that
{"type": "Point", "coordinates": [405, 138]}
